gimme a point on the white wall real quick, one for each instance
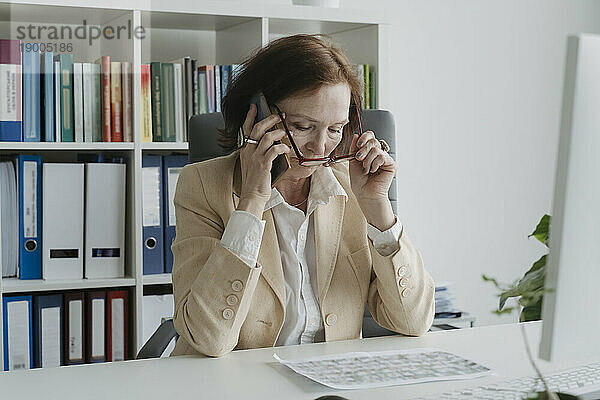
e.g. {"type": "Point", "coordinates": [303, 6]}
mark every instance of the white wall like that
{"type": "Point", "coordinates": [479, 86]}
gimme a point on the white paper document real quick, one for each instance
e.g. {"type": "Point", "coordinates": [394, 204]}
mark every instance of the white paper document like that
{"type": "Point", "coordinates": [385, 368]}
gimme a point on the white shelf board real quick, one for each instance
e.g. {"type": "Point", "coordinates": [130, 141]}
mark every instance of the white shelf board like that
{"type": "Point", "coordinates": [66, 146]}
{"type": "Point", "coordinates": [281, 26]}
{"type": "Point", "coordinates": [234, 8]}
{"type": "Point", "coordinates": [17, 11]}
{"type": "Point", "coordinates": [202, 22]}
{"type": "Point", "coordinates": [157, 279]}
{"type": "Point", "coordinates": [165, 146]}
{"type": "Point", "coordinates": [14, 285]}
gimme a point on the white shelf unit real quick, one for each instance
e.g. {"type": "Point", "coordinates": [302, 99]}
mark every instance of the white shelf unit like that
{"type": "Point", "coordinates": [214, 32]}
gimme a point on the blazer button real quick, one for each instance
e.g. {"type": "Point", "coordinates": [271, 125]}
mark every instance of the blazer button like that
{"type": "Point", "coordinates": [228, 313]}
{"type": "Point", "coordinates": [331, 319]}
{"type": "Point", "coordinates": [232, 300]}
{"type": "Point", "coordinates": [403, 282]}
{"type": "Point", "coordinates": [405, 292]}
{"type": "Point", "coordinates": [401, 271]}
{"type": "Point", "coordinates": [237, 285]}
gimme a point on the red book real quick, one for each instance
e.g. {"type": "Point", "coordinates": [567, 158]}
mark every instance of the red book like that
{"type": "Point", "coordinates": [104, 62]}
{"type": "Point", "coordinates": [95, 326]}
{"type": "Point", "coordinates": [74, 328]}
{"type": "Point", "coordinates": [116, 325]}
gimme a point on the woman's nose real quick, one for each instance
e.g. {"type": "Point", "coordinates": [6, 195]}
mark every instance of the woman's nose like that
{"type": "Point", "coordinates": [316, 145]}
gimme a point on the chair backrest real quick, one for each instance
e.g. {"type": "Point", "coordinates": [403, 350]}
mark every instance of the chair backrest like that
{"type": "Point", "coordinates": [158, 342]}
{"type": "Point", "coordinates": [202, 135]}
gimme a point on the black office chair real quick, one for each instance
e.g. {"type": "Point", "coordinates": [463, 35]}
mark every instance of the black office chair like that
{"type": "Point", "coordinates": [158, 342]}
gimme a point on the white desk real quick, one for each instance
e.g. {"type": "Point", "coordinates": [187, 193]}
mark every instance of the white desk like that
{"type": "Point", "coordinates": [254, 374]}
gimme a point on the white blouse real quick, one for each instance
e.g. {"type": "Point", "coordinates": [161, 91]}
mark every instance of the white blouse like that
{"type": "Point", "coordinates": [295, 233]}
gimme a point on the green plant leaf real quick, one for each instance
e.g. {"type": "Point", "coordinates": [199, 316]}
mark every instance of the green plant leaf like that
{"type": "Point", "coordinates": [542, 230]}
{"type": "Point", "coordinates": [538, 264]}
{"type": "Point", "coordinates": [507, 294]}
{"type": "Point", "coordinates": [532, 312]}
{"type": "Point", "coordinates": [530, 288]}
{"type": "Point", "coordinates": [507, 310]}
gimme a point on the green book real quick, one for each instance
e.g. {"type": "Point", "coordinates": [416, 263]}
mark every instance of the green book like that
{"type": "Point", "coordinates": [168, 102]}
{"type": "Point", "coordinates": [372, 87]}
{"type": "Point", "coordinates": [155, 90]}
{"type": "Point", "coordinates": [367, 96]}
{"type": "Point", "coordinates": [66, 89]}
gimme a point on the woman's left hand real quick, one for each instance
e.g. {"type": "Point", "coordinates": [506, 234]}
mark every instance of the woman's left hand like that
{"type": "Point", "coordinates": [371, 170]}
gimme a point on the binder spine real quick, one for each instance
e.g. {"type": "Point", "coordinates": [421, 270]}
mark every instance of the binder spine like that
{"type": "Point", "coordinates": [30, 216]}
{"type": "Point", "coordinates": [27, 361]}
{"type": "Point", "coordinates": [31, 94]}
{"type": "Point", "coordinates": [152, 224]}
{"type": "Point", "coordinates": [48, 96]}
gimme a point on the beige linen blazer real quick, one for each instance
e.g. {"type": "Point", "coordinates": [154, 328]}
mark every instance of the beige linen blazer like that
{"type": "Point", "coordinates": [221, 304]}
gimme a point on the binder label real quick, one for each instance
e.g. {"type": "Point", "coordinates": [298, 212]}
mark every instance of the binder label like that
{"type": "Point", "coordinates": [30, 217]}
{"type": "Point", "coordinates": [97, 328]}
{"type": "Point", "coordinates": [75, 334]}
{"type": "Point", "coordinates": [51, 337]}
{"type": "Point", "coordinates": [151, 196]}
{"type": "Point", "coordinates": [173, 176]}
{"type": "Point", "coordinates": [118, 330]}
{"type": "Point", "coordinates": [18, 335]}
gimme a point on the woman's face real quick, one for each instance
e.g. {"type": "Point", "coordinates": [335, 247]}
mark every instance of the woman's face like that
{"type": "Point", "coordinates": [315, 122]}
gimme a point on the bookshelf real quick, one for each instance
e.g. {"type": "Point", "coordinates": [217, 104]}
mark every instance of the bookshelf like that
{"type": "Point", "coordinates": [214, 32]}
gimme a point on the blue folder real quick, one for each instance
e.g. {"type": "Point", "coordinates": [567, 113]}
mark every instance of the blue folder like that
{"type": "Point", "coordinates": [152, 218]}
{"type": "Point", "coordinates": [30, 218]}
{"type": "Point", "coordinates": [169, 162]}
{"type": "Point", "coordinates": [48, 97]}
{"type": "Point", "coordinates": [40, 303]}
{"type": "Point", "coordinates": [31, 94]}
{"type": "Point", "coordinates": [5, 302]}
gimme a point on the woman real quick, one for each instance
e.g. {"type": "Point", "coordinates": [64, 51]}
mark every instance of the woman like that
{"type": "Point", "coordinates": [256, 266]}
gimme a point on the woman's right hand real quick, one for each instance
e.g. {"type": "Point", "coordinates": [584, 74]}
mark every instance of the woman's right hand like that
{"type": "Point", "coordinates": [257, 159]}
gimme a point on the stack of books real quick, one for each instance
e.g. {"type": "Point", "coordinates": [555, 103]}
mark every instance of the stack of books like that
{"type": "Point", "coordinates": [173, 92]}
{"type": "Point", "coordinates": [444, 307]}
{"type": "Point", "coordinates": [50, 97]}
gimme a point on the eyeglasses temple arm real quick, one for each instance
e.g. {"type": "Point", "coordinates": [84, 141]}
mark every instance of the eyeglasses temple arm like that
{"type": "Point", "coordinates": [287, 131]}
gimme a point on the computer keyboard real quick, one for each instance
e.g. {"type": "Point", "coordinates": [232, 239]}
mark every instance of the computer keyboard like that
{"type": "Point", "coordinates": [581, 381]}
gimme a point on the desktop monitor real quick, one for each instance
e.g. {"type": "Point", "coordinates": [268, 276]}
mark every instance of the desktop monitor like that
{"type": "Point", "coordinates": [571, 318]}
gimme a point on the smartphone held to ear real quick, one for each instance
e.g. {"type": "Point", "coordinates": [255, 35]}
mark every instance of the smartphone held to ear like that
{"type": "Point", "coordinates": [281, 163]}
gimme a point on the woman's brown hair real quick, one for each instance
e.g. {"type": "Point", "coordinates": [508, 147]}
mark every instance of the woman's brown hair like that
{"type": "Point", "coordinates": [285, 67]}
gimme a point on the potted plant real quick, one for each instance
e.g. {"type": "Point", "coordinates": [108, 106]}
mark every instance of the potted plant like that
{"type": "Point", "coordinates": [529, 291]}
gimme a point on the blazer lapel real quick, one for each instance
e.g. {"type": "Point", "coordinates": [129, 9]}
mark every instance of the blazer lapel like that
{"type": "Point", "coordinates": [328, 229]}
{"type": "Point", "coordinates": [269, 256]}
